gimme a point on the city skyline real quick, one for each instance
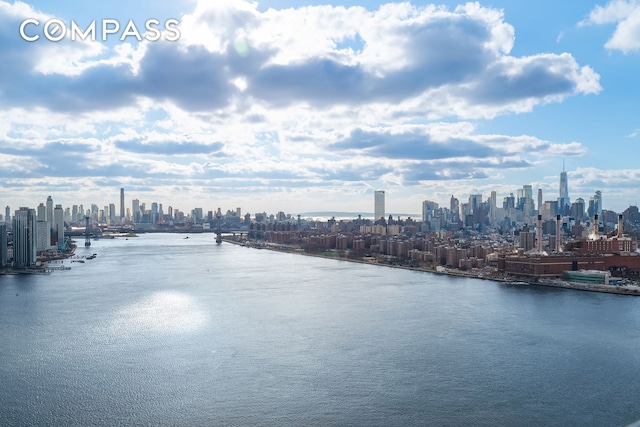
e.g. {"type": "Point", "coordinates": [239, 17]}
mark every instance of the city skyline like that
{"type": "Point", "coordinates": [521, 199]}
{"type": "Point", "coordinates": [314, 105]}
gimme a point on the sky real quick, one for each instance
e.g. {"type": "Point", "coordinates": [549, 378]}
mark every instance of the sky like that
{"type": "Point", "coordinates": [301, 106]}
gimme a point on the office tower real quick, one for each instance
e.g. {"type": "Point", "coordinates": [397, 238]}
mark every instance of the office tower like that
{"type": "Point", "coordinates": [509, 202]}
{"type": "Point", "coordinates": [49, 220]}
{"type": "Point", "coordinates": [493, 203]}
{"type": "Point", "coordinates": [121, 205]}
{"type": "Point", "coordinates": [454, 206]}
{"type": "Point", "coordinates": [539, 199]}
{"type": "Point", "coordinates": [58, 225]}
{"type": "Point", "coordinates": [154, 213]}
{"type": "Point", "coordinates": [378, 205]}
{"type": "Point", "coordinates": [42, 235]}
{"type": "Point", "coordinates": [41, 213]}
{"type": "Point", "coordinates": [135, 210]}
{"type": "Point", "coordinates": [24, 238]}
{"type": "Point", "coordinates": [428, 210]}
{"type": "Point", "coordinates": [475, 200]}
{"type": "Point", "coordinates": [577, 209]}
{"type": "Point", "coordinates": [239, 212]}
{"type": "Point", "coordinates": [597, 198]}
{"type": "Point", "coordinates": [170, 212]}
{"type": "Point", "coordinates": [112, 213]}
{"type": "Point", "coordinates": [3, 245]}
{"type": "Point", "coordinates": [563, 200]}
{"type": "Point", "coordinates": [528, 191]}
{"type": "Point", "coordinates": [74, 213]}
{"type": "Point", "coordinates": [49, 210]}
{"type": "Point", "coordinates": [7, 214]}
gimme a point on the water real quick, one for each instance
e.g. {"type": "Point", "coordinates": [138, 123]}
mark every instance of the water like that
{"type": "Point", "coordinates": [162, 330]}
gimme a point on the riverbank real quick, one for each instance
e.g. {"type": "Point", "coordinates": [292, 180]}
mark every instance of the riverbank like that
{"type": "Point", "coordinates": [633, 290]}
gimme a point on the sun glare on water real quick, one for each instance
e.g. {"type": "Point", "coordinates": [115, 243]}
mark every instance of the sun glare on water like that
{"type": "Point", "coordinates": [161, 312]}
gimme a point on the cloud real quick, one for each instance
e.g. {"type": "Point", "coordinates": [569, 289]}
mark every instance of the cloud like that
{"type": "Point", "coordinates": [407, 53]}
{"type": "Point", "coordinates": [324, 97]}
{"type": "Point", "coordinates": [626, 15]}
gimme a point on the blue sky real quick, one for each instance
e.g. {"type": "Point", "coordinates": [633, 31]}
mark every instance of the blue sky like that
{"type": "Point", "coordinates": [311, 106]}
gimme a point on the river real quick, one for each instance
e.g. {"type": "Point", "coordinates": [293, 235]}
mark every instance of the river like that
{"type": "Point", "coordinates": [166, 330]}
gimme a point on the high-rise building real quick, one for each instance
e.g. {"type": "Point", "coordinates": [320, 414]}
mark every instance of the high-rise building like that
{"type": "Point", "coordinates": [475, 200]}
{"type": "Point", "coordinates": [7, 214]}
{"type": "Point", "coordinates": [577, 209]}
{"type": "Point", "coordinates": [135, 210]}
{"type": "Point", "coordinates": [539, 200]}
{"type": "Point", "coordinates": [563, 200]}
{"type": "Point", "coordinates": [3, 245]}
{"type": "Point", "coordinates": [121, 205]}
{"type": "Point", "coordinates": [428, 210]}
{"type": "Point", "coordinates": [378, 205]}
{"type": "Point", "coordinates": [154, 213]}
{"type": "Point", "coordinates": [24, 238]}
{"type": "Point", "coordinates": [41, 213]}
{"type": "Point", "coordinates": [58, 225]}
{"type": "Point", "coordinates": [50, 210]}
{"type": "Point", "coordinates": [50, 220]}
{"type": "Point", "coordinates": [454, 206]}
{"type": "Point", "coordinates": [597, 198]}
{"type": "Point", "coordinates": [112, 213]}
{"type": "Point", "coordinates": [42, 236]}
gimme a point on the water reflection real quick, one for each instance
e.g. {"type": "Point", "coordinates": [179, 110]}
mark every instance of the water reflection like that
{"type": "Point", "coordinates": [162, 312]}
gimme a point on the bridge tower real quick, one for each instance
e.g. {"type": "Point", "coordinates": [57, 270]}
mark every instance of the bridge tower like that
{"type": "Point", "coordinates": [87, 232]}
{"type": "Point", "coordinates": [219, 230]}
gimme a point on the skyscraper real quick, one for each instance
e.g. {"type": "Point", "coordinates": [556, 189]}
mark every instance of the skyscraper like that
{"type": "Point", "coordinates": [122, 205]}
{"type": "Point", "coordinates": [135, 210]}
{"type": "Point", "coordinates": [378, 205]}
{"type": "Point", "coordinates": [49, 219]}
{"type": "Point", "coordinates": [3, 245]}
{"type": "Point", "coordinates": [24, 237]}
{"type": "Point", "coordinates": [563, 200]}
{"type": "Point", "coordinates": [539, 200]}
{"type": "Point", "coordinates": [454, 206]}
{"type": "Point", "coordinates": [597, 198]}
{"type": "Point", "coordinates": [58, 225]}
{"type": "Point", "coordinates": [428, 210]}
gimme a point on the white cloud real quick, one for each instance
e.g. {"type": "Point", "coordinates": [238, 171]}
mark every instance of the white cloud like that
{"type": "Point", "coordinates": [624, 13]}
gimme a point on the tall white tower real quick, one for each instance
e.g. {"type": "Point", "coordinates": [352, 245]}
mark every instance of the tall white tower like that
{"type": "Point", "coordinates": [378, 205]}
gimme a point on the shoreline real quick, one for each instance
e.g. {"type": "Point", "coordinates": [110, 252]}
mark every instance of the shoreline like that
{"type": "Point", "coordinates": [553, 283]}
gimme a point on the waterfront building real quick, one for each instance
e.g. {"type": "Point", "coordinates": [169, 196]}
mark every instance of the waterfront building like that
{"type": "Point", "coordinates": [135, 210]}
{"type": "Point", "coordinates": [112, 214]}
{"type": "Point", "coordinates": [49, 219]}
{"type": "Point", "coordinates": [24, 237]}
{"type": "Point", "coordinates": [527, 240]}
{"type": "Point", "coordinates": [122, 217]}
{"type": "Point", "coordinates": [58, 225]}
{"type": "Point", "coordinates": [154, 213]}
{"type": "Point", "coordinates": [42, 235]}
{"type": "Point", "coordinates": [378, 205]}
{"type": "Point", "coordinates": [3, 245]}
